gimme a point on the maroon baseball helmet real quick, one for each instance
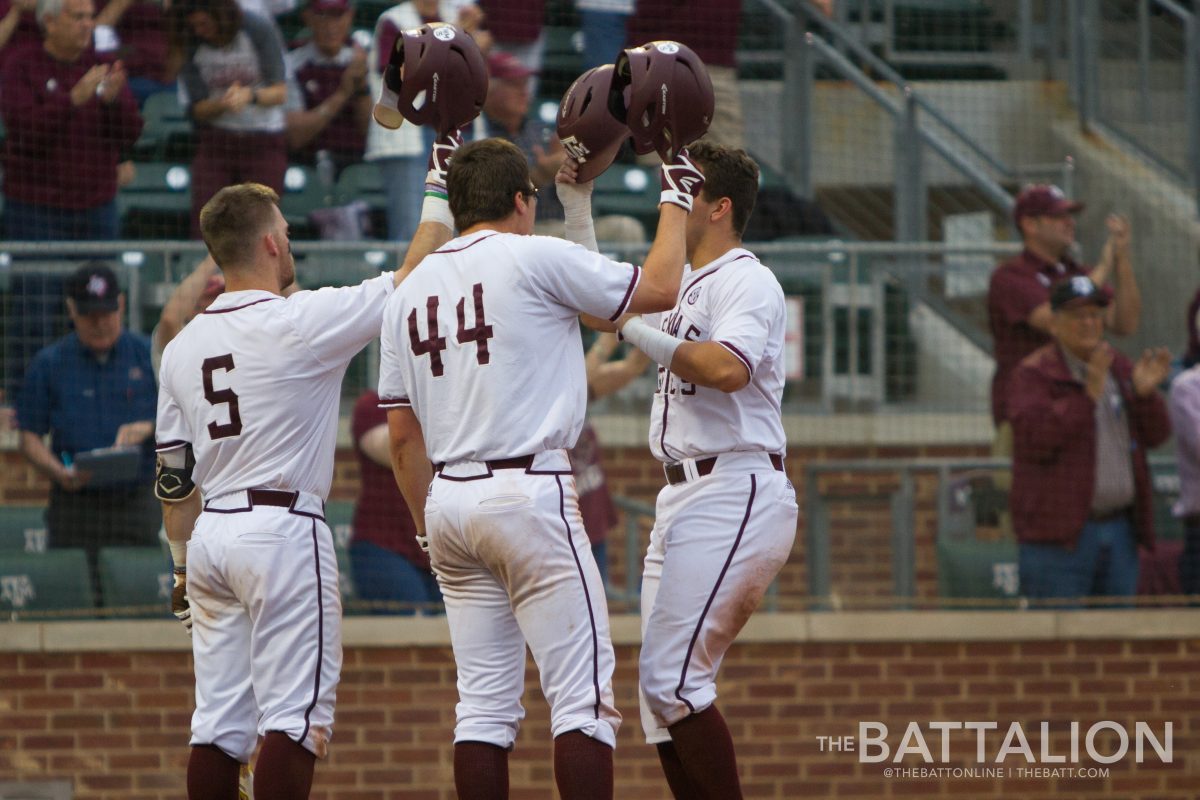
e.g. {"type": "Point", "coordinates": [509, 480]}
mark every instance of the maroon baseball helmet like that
{"type": "Point", "coordinates": [436, 76]}
{"type": "Point", "coordinates": [670, 96]}
{"type": "Point", "coordinates": [591, 121]}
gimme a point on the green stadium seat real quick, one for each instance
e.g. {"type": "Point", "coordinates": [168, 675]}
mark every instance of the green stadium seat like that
{"type": "Point", "coordinates": [361, 182]}
{"type": "Point", "coordinates": [302, 194]}
{"type": "Point", "coordinates": [970, 566]}
{"type": "Point", "coordinates": [23, 528]}
{"type": "Point", "coordinates": [630, 190]}
{"type": "Point", "coordinates": [167, 129]}
{"type": "Point", "coordinates": [158, 203]}
{"type": "Point", "coordinates": [138, 578]}
{"type": "Point", "coordinates": [56, 580]}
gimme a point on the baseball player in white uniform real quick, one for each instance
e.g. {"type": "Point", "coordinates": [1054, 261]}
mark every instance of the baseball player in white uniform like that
{"type": "Point", "coordinates": [482, 371]}
{"type": "Point", "coordinates": [248, 413]}
{"type": "Point", "coordinates": [726, 520]}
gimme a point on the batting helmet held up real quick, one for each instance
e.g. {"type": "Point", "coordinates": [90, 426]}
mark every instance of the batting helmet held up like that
{"type": "Point", "coordinates": [670, 96]}
{"type": "Point", "coordinates": [591, 121]}
{"type": "Point", "coordinates": [435, 76]}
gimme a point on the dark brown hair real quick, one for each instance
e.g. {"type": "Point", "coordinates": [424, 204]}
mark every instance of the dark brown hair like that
{"type": "Point", "coordinates": [233, 219]}
{"type": "Point", "coordinates": [728, 172]}
{"type": "Point", "coordinates": [226, 13]}
{"type": "Point", "coordinates": [483, 178]}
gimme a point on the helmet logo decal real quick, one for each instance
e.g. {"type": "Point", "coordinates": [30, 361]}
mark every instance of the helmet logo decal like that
{"type": "Point", "coordinates": [576, 149]}
{"type": "Point", "coordinates": [664, 98]}
{"type": "Point", "coordinates": [668, 47]}
{"type": "Point", "coordinates": [445, 33]}
{"type": "Point", "coordinates": [435, 87]}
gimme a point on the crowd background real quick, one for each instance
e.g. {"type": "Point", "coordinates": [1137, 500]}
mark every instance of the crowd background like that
{"type": "Point", "coordinates": [121, 118]}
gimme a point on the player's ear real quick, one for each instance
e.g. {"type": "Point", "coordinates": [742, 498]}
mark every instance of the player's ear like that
{"type": "Point", "coordinates": [272, 246]}
{"type": "Point", "coordinates": [722, 210]}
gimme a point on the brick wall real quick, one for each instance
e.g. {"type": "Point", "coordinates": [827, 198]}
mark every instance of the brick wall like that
{"type": "Point", "coordinates": [860, 516]}
{"type": "Point", "coordinates": [116, 723]}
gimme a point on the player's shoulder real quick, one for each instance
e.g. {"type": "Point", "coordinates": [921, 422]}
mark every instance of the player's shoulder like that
{"type": "Point", "coordinates": [744, 273]}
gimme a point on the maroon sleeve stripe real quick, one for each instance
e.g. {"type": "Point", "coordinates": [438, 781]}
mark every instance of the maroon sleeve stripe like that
{"type": "Point", "coordinates": [633, 282]}
{"type": "Point", "coordinates": [394, 402]}
{"type": "Point", "coordinates": [738, 353]}
{"type": "Point", "coordinates": [171, 445]}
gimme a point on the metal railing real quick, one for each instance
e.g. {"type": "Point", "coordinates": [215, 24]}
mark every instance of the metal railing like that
{"type": "Point", "coordinates": [903, 505]}
{"type": "Point", "coordinates": [1142, 90]}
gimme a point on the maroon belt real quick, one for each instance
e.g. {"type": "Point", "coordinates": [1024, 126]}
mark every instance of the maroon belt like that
{"type": "Point", "coordinates": [1120, 513]}
{"type": "Point", "coordinates": [271, 497]}
{"type": "Point", "coordinates": [520, 462]}
{"type": "Point", "coordinates": [676, 474]}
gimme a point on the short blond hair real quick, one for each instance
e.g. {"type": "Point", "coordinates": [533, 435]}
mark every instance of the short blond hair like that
{"type": "Point", "coordinates": [233, 219]}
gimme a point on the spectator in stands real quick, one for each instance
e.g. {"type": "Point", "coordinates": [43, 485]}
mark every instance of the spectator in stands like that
{"type": "Point", "coordinates": [386, 561]}
{"type": "Point", "coordinates": [18, 27]}
{"type": "Point", "coordinates": [70, 120]}
{"type": "Point", "coordinates": [604, 377]}
{"type": "Point", "coordinates": [1083, 416]}
{"type": "Point", "coordinates": [94, 388]}
{"type": "Point", "coordinates": [401, 154]}
{"type": "Point", "coordinates": [603, 23]}
{"type": "Point", "coordinates": [1185, 420]}
{"type": "Point", "coordinates": [709, 27]}
{"type": "Point", "coordinates": [516, 29]}
{"type": "Point", "coordinates": [137, 31]}
{"type": "Point", "coordinates": [233, 79]}
{"type": "Point", "coordinates": [328, 105]}
{"type": "Point", "coordinates": [1019, 311]}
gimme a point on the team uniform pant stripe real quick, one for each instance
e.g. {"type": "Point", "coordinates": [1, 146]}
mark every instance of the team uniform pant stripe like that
{"type": "Point", "coordinates": [712, 596]}
{"type": "Point", "coordinates": [562, 511]}
{"type": "Point", "coordinates": [320, 637]}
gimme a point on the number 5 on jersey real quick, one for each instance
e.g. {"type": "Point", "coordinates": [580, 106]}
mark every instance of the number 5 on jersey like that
{"type": "Point", "coordinates": [221, 396]}
{"type": "Point", "coordinates": [433, 344]}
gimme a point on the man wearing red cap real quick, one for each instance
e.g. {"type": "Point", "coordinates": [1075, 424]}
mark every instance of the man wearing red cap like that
{"type": "Point", "coordinates": [1019, 294]}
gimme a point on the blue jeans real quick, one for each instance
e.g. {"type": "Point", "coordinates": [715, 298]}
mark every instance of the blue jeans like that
{"type": "Point", "coordinates": [28, 222]}
{"type": "Point", "coordinates": [603, 36]}
{"type": "Point", "coordinates": [404, 185]}
{"type": "Point", "coordinates": [1103, 563]}
{"type": "Point", "coordinates": [380, 574]}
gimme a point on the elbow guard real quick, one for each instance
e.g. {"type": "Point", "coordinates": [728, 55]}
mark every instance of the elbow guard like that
{"type": "Point", "coordinates": [173, 479]}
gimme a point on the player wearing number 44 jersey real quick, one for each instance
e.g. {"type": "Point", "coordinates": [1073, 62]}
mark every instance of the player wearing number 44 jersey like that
{"type": "Point", "coordinates": [725, 523]}
{"type": "Point", "coordinates": [248, 413]}
{"type": "Point", "coordinates": [482, 370]}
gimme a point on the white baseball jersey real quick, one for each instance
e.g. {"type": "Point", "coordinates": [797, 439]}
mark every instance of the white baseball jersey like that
{"type": "Point", "coordinates": [482, 340]}
{"type": "Point", "coordinates": [738, 303]}
{"type": "Point", "coordinates": [253, 384]}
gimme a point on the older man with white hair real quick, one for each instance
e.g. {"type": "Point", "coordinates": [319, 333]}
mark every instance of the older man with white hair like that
{"type": "Point", "coordinates": [70, 120]}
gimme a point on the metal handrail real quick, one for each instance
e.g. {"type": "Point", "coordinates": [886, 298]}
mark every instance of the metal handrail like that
{"type": "Point", "coordinates": [994, 192]}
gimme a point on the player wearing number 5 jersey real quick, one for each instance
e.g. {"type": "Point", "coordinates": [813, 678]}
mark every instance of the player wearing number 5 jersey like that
{"type": "Point", "coordinates": [248, 412]}
{"type": "Point", "coordinates": [726, 520]}
{"type": "Point", "coordinates": [482, 369]}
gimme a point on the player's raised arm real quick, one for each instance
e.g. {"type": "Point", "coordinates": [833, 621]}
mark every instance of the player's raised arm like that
{"type": "Point", "coordinates": [437, 223]}
{"type": "Point", "coordinates": [662, 271]}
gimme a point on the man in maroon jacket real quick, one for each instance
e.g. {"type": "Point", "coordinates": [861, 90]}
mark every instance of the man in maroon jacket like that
{"type": "Point", "coordinates": [70, 119]}
{"type": "Point", "coordinates": [1083, 416]}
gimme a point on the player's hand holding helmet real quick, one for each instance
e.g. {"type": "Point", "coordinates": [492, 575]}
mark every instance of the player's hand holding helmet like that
{"type": "Point", "coordinates": [591, 122]}
{"type": "Point", "coordinates": [435, 76]}
{"type": "Point", "coordinates": [439, 162]}
{"type": "Point", "coordinates": [682, 181]}
{"type": "Point", "coordinates": [180, 607]}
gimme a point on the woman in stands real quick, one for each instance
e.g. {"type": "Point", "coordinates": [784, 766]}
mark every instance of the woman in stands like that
{"type": "Point", "coordinates": [233, 81]}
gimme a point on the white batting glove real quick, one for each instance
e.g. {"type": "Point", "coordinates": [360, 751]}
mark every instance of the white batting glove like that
{"type": "Point", "coordinates": [681, 181]}
{"type": "Point", "coordinates": [180, 607]}
{"type": "Point", "coordinates": [439, 162]}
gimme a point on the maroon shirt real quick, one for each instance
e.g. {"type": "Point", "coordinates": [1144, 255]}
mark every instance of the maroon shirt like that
{"type": "Point", "coordinates": [514, 21]}
{"type": "Point", "coordinates": [381, 516]}
{"type": "Point", "coordinates": [1054, 448]}
{"type": "Point", "coordinates": [1018, 286]}
{"type": "Point", "coordinates": [710, 27]}
{"type": "Point", "coordinates": [25, 35]}
{"type": "Point", "coordinates": [319, 77]}
{"type": "Point", "coordinates": [57, 155]}
{"type": "Point", "coordinates": [1192, 356]}
{"type": "Point", "coordinates": [595, 501]}
{"type": "Point", "coordinates": [142, 30]}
